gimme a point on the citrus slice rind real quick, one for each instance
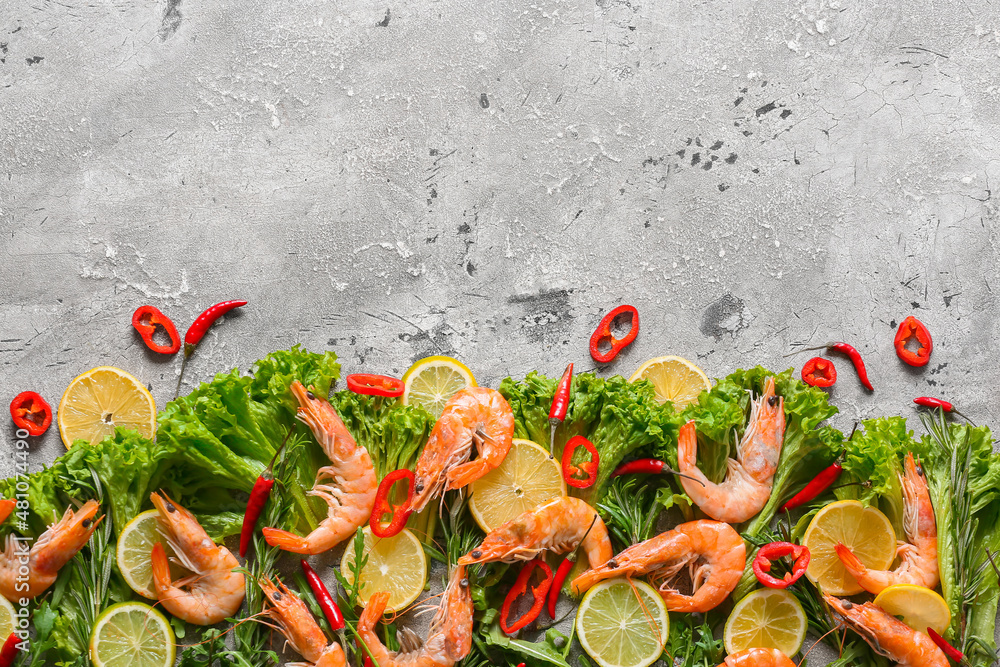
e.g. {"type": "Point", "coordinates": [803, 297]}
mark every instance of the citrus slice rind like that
{"type": "Point", "coordinates": [432, 381]}
{"type": "Point", "coordinates": [864, 530]}
{"type": "Point", "coordinates": [132, 634]}
{"type": "Point", "coordinates": [623, 623]}
{"type": "Point", "coordinates": [103, 398]}
{"type": "Point", "coordinates": [917, 606]}
{"type": "Point", "coordinates": [395, 564]}
{"type": "Point", "coordinates": [767, 618]}
{"type": "Point", "coordinates": [674, 379]}
{"type": "Point", "coordinates": [527, 478]}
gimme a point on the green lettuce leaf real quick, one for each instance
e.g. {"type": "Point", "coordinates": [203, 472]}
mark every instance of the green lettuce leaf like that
{"type": "Point", "coordinates": [393, 433]}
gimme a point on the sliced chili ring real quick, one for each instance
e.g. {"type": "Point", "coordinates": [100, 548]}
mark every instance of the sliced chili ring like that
{"type": "Point", "coordinates": [603, 334]}
{"type": "Point", "coordinates": [145, 319]}
{"type": "Point", "coordinates": [375, 385]}
{"type": "Point", "coordinates": [819, 372]}
{"type": "Point", "coordinates": [538, 592]}
{"type": "Point", "coordinates": [913, 329]}
{"type": "Point", "coordinates": [769, 553]}
{"type": "Point", "coordinates": [588, 468]}
{"type": "Point", "coordinates": [30, 412]}
{"type": "Point", "coordinates": [399, 513]}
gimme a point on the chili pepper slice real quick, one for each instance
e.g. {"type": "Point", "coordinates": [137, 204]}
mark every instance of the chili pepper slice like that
{"type": "Point", "coordinates": [204, 322]}
{"type": "Point", "coordinates": [145, 319]}
{"type": "Point", "coordinates": [375, 385]}
{"type": "Point", "coordinates": [640, 467]}
{"type": "Point", "coordinates": [326, 602]}
{"type": "Point", "coordinates": [400, 513]}
{"type": "Point", "coordinates": [538, 593]}
{"type": "Point", "coordinates": [772, 552]}
{"type": "Point", "coordinates": [560, 404]}
{"type": "Point", "coordinates": [30, 412]}
{"type": "Point", "coordinates": [259, 495]}
{"type": "Point", "coordinates": [9, 651]}
{"type": "Point", "coordinates": [557, 581]}
{"type": "Point", "coordinates": [603, 335]}
{"type": "Point", "coordinates": [913, 329]}
{"type": "Point", "coordinates": [588, 468]}
{"type": "Point", "coordinates": [823, 481]}
{"type": "Point", "coordinates": [819, 372]}
{"type": "Point", "coordinates": [943, 644]}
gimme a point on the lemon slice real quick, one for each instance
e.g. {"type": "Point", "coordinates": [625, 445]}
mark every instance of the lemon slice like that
{"type": "Point", "coordinates": [623, 623]}
{"type": "Point", "coordinates": [675, 379]}
{"type": "Point", "coordinates": [527, 478]}
{"type": "Point", "coordinates": [132, 634]}
{"type": "Point", "coordinates": [918, 607]}
{"type": "Point", "coordinates": [8, 617]}
{"type": "Point", "coordinates": [431, 381]}
{"type": "Point", "coordinates": [864, 530]}
{"type": "Point", "coordinates": [767, 618]}
{"type": "Point", "coordinates": [97, 401]}
{"type": "Point", "coordinates": [134, 545]}
{"type": "Point", "coordinates": [396, 564]}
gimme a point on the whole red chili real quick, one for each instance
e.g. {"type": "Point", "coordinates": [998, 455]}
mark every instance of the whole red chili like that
{"type": "Point", "coordinates": [30, 412]}
{"type": "Point", "coordinates": [931, 402]}
{"type": "Point", "coordinates": [538, 593]}
{"type": "Point", "coordinates": [913, 329]}
{"type": "Point", "coordinates": [326, 602]}
{"type": "Point", "coordinates": [603, 334]}
{"type": "Point", "coordinates": [400, 513]}
{"type": "Point", "coordinates": [9, 651]}
{"type": "Point", "coordinates": [640, 467]}
{"type": "Point", "coordinates": [819, 372]}
{"type": "Point", "coordinates": [588, 468]}
{"type": "Point", "coordinates": [557, 581]}
{"type": "Point", "coordinates": [203, 322]}
{"type": "Point", "coordinates": [943, 644]}
{"type": "Point", "coordinates": [145, 319]}
{"type": "Point", "coordinates": [259, 495]}
{"type": "Point", "coordinates": [769, 553]}
{"type": "Point", "coordinates": [375, 385]}
{"type": "Point", "coordinates": [560, 404]}
{"type": "Point", "coordinates": [818, 485]}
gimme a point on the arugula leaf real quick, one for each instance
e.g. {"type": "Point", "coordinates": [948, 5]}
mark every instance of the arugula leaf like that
{"type": "Point", "coordinates": [542, 652]}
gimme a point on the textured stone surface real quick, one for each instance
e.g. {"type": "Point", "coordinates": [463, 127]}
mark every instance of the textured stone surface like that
{"type": "Point", "coordinates": [485, 179]}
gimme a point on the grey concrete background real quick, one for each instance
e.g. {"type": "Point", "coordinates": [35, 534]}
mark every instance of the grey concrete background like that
{"type": "Point", "coordinates": [486, 179]}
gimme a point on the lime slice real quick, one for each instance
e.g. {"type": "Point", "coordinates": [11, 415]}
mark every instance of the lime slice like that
{"type": "Point", "coordinates": [132, 634]}
{"type": "Point", "coordinates": [97, 401]}
{"type": "Point", "coordinates": [527, 478]}
{"type": "Point", "coordinates": [623, 623]}
{"type": "Point", "coordinates": [864, 530]}
{"type": "Point", "coordinates": [431, 381]}
{"type": "Point", "coordinates": [134, 546]}
{"type": "Point", "coordinates": [767, 618]}
{"type": "Point", "coordinates": [918, 607]}
{"type": "Point", "coordinates": [675, 379]}
{"type": "Point", "coordinates": [396, 564]}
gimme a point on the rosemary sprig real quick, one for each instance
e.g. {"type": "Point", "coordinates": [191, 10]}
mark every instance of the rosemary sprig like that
{"type": "Point", "coordinates": [629, 510]}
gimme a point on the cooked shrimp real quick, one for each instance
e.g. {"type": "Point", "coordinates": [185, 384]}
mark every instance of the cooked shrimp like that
{"type": "Point", "coordinates": [348, 484]}
{"type": "Point", "coordinates": [214, 591]}
{"type": "Point", "coordinates": [297, 624]}
{"type": "Point", "coordinates": [713, 552]}
{"type": "Point", "coordinates": [474, 415]}
{"type": "Point", "coordinates": [559, 526]}
{"type": "Point", "coordinates": [53, 549]}
{"type": "Point", "coordinates": [888, 635]}
{"type": "Point", "coordinates": [918, 560]}
{"type": "Point", "coordinates": [750, 475]}
{"type": "Point", "coordinates": [6, 508]}
{"type": "Point", "coordinates": [449, 638]}
{"type": "Point", "coordinates": [758, 657]}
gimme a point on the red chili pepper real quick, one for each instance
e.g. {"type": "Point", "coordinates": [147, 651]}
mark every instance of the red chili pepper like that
{"type": "Point", "coordinates": [943, 644]}
{"type": "Point", "coordinates": [145, 319]}
{"type": "Point", "coordinates": [560, 404]}
{"type": "Point", "coordinates": [818, 485]}
{"type": "Point", "coordinates": [914, 329]}
{"type": "Point", "coordinates": [259, 495]}
{"type": "Point", "coordinates": [773, 551]}
{"type": "Point", "coordinates": [538, 593]}
{"type": "Point", "coordinates": [640, 467]}
{"type": "Point", "coordinates": [931, 402]}
{"type": "Point", "coordinates": [203, 323]}
{"type": "Point", "coordinates": [375, 385]}
{"type": "Point", "coordinates": [557, 581]}
{"type": "Point", "coordinates": [400, 513]}
{"type": "Point", "coordinates": [819, 372]}
{"type": "Point", "coordinates": [603, 334]}
{"type": "Point", "coordinates": [30, 412]}
{"type": "Point", "coordinates": [9, 651]}
{"type": "Point", "coordinates": [323, 597]}
{"type": "Point", "coordinates": [855, 357]}
{"type": "Point", "coordinates": [588, 468]}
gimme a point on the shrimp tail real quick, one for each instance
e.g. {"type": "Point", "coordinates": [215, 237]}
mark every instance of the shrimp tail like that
{"type": "Point", "coordinates": [6, 508]}
{"type": "Point", "coordinates": [287, 541]}
{"type": "Point", "coordinates": [161, 568]}
{"type": "Point", "coordinates": [373, 611]}
{"type": "Point", "coordinates": [851, 562]}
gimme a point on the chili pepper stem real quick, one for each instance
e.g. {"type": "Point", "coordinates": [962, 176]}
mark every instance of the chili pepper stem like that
{"type": "Point", "coordinates": [553, 424]}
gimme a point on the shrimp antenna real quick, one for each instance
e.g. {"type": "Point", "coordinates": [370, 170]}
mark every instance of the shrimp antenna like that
{"type": "Point", "coordinates": [671, 471]}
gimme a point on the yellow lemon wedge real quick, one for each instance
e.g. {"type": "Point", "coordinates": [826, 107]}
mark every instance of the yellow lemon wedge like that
{"type": "Point", "coordinates": [432, 381]}
{"type": "Point", "coordinates": [396, 564]}
{"type": "Point", "coordinates": [767, 618]}
{"type": "Point", "coordinates": [864, 530]}
{"type": "Point", "coordinates": [918, 607]}
{"type": "Point", "coordinates": [527, 478]}
{"type": "Point", "coordinates": [675, 379]}
{"type": "Point", "coordinates": [97, 401]}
